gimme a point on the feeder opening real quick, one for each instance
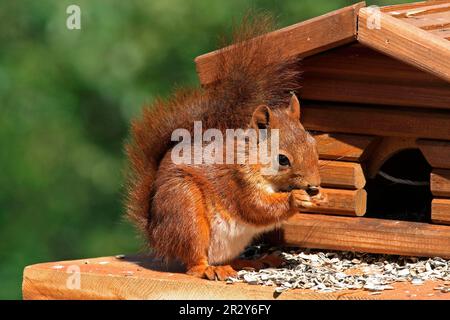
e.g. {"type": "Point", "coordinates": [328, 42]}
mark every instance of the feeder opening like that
{"type": "Point", "coordinates": [401, 189]}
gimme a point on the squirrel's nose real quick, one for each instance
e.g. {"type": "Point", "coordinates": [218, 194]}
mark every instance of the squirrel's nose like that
{"type": "Point", "coordinates": [313, 191]}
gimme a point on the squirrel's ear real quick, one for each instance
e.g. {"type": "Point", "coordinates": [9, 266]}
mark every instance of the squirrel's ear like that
{"type": "Point", "coordinates": [294, 107]}
{"type": "Point", "coordinates": [261, 117]}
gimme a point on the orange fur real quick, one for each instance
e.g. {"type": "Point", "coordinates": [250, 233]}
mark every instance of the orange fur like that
{"type": "Point", "coordinates": [183, 208]}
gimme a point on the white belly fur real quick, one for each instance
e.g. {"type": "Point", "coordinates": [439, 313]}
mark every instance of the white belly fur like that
{"type": "Point", "coordinates": [229, 238]}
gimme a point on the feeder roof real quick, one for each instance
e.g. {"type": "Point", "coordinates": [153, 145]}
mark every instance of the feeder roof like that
{"type": "Point", "coordinates": [415, 33]}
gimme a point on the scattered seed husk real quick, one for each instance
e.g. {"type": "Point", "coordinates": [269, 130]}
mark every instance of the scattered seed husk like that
{"type": "Point", "coordinates": [327, 271]}
{"type": "Point", "coordinates": [250, 279]}
{"type": "Point", "coordinates": [280, 289]}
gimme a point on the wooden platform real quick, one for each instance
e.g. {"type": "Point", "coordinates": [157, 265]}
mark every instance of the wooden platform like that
{"type": "Point", "coordinates": [134, 277]}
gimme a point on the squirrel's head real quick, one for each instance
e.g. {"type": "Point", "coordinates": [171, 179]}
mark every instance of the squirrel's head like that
{"type": "Point", "coordinates": [297, 156]}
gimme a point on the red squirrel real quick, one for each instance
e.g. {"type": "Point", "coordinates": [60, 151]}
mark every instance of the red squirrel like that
{"type": "Point", "coordinates": [204, 215]}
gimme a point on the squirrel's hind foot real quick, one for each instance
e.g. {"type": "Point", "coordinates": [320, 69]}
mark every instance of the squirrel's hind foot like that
{"type": "Point", "coordinates": [221, 273]}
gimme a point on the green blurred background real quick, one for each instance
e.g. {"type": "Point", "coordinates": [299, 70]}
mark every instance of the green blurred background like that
{"type": "Point", "coordinates": [66, 98]}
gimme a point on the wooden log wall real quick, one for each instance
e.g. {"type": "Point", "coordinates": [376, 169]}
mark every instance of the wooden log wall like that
{"type": "Point", "coordinates": [342, 147]}
{"type": "Point", "coordinates": [440, 187]}
{"type": "Point", "coordinates": [347, 93]}
{"type": "Point", "coordinates": [342, 174]}
{"type": "Point", "coordinates": [440, 182]}
{"type": "Point", "coordinates": [436, 152]}
{"type": "Point", "coordinates": [341, 202]}
{"type": "Point", "coordinates": [357, 74]}
{"type": "Point", "coordinates": [367, 235]}
{"type": "Point", "coordinates": [387, 121]}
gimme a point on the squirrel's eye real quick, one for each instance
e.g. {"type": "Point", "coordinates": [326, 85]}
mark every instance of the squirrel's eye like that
{"type": "Point", "coordinates": [283, 160]}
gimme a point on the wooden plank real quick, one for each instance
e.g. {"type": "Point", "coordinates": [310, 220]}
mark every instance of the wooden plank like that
{"type": "Point", "coordinates": [138, 278]}
{"type": "Point", "coordinates": [440, 183]}
{"type": "Point", "coordinates": [368, 235]}
{"type": "Point", "coordinates": [436, 152]}
{"type": "Point", "coordinates": [407, 43]}
{"type": "Point", "coordinates": [304, 38]}
{"type": "Point", "coordinates": [442, 33]}
{"type": "Point", "coordinates": [340, 202]}
{"type": "Point", "coordinates": [142, 278]}
{"type": "Point", "coordinates": [431, 16]}
{"type": "Point", "coordinates": [358, 74]}
{"type": "Point", "coordinates": [440, 211]}
{"type": "Point", "coordinates": [332, 88]}
{"type": "Point", "coordinates": [432, 21]}
{"type": "Point", "coordinates": [370, 120]}
{"type": "Point", "coordinates": [399, 9]}
{"type": "Point", "coordinates": [339, 174]}
{"type": "Point", "coordinates": [342, 147]}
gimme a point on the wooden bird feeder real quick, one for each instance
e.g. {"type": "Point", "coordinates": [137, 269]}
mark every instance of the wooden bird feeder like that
{"type": "Point", "coordinates": [376, 95]}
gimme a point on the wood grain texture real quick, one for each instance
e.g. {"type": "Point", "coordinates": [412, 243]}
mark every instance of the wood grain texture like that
{"type": "Point", "coordinates": [137, 278]}
{"type": "Point", "coordinates": [428, 19]}
{"type": "Point", "coordinates": [440, 183]}
{"type": "Point", "coordinates": [358, 74]}
{"type": "Point", "coordinates": [407, 43]}
{"type": "Point", "coordinates": [370, 120]}
{"type": "Point", "coordinates": [368, 235]}
{"type": "Point", "coordinates": [342, 147]}
{"type": "Point", "coordinates": [433, 17]}
{"type": "Point", "coordinates": [142, 278]}
{"type": "Point", "coordinates": [341, 202]}
{"type": "Point", "coordinates": [403, 8]}
{"type": "Point", "coordinates": [301, 39]}
{"type": "Point", "coordinates": [443, 33]}
{"type": "Point", "coordinates": [339, 174]}
{"type": "Point", "coordinates": [440, 211]}
{"type": "Point", "coordinates": [384, 150]}
{"type": "Point", "coordinates": [436, 152]}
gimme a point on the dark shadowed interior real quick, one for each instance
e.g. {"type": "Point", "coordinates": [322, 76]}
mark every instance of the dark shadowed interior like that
{"type": "Point", "coordinates": [393, 200]}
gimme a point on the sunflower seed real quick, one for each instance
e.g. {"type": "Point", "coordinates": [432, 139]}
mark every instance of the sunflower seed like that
{"type": "Point", "coordinates": [250, 279]}
{"type": "Point", "coordinates": [328, 271]}
{"type": "Point", "coordinates": [280, 289]}
{"type": "Point", "coordinates": [403, 272]}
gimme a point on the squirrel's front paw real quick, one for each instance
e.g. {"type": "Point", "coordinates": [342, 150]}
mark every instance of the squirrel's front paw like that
{"type": "Point", "coordinates": [212, 272]}
{"type": "Point", "coordinates": [301, 199]}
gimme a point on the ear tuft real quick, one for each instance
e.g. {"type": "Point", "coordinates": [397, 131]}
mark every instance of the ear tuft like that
{"type": "Point", "coordinates": [294, 107]}
{"type": "Point", "coordinates": [261, 117]}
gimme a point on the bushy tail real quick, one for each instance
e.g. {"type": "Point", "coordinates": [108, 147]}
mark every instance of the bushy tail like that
{"type": "Point", "coordinates": [150, 140]}
{"type": "Point", "coordinates": [248, 77]}
{"type": "Point", "coordinates": [250, 72]}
